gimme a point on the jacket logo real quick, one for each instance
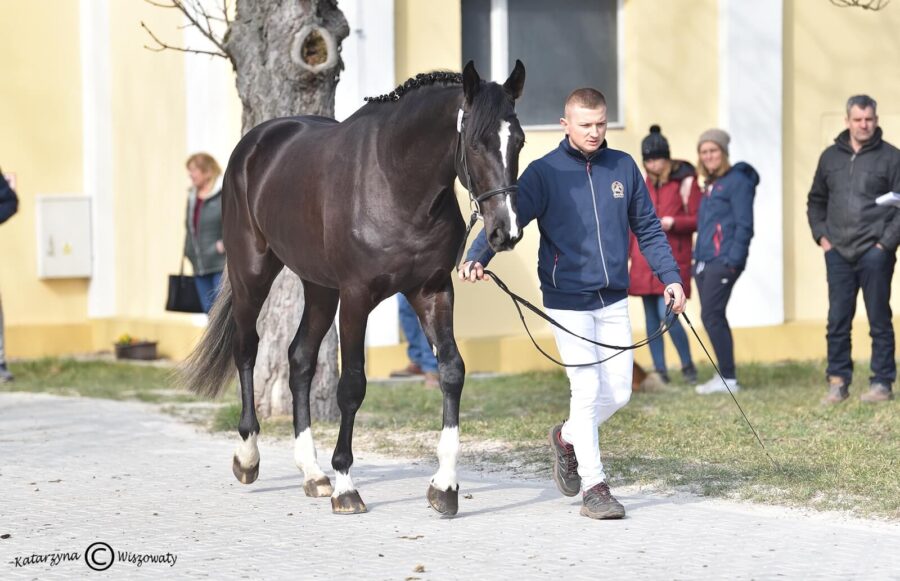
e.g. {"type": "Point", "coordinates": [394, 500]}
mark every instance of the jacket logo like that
{"type": "Point", "coordinates": [618, 189]}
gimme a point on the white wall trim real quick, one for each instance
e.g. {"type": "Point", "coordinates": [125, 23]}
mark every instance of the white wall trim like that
{"type": "Point", "coordinates": [208, 82]}
{"type": "Point", "coordinates": [368, 54]}
{"type": "Point", "coordinates": [499, 41]}
{"type": "Point", "coordinates": [97, 164]}
{"type": "Point", "coordinates": [750, 108]}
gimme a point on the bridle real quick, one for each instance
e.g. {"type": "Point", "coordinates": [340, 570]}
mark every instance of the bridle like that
{"type": "Point", "coordinates": [462, 170]}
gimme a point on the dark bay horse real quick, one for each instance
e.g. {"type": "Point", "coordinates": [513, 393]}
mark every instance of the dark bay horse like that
{"type": "Point", "coordinates": [360, 210]}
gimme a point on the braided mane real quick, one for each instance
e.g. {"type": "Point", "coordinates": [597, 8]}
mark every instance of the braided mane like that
{"type": "Point", "coordinates": [420, 80]}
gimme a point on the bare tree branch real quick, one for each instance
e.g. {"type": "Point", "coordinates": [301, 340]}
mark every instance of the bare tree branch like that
{"type": "Point", "coordinates": [191, 10]}
{"type": "Point", "coordinates": [225, 12]}
{"type": "Point", "coordinates": [873, 5]}
{"type": "Point", "coordinates": [161, 46]}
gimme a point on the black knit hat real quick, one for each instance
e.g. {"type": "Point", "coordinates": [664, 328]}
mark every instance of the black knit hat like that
{"type": "Point", "coordinates": [655, 146]}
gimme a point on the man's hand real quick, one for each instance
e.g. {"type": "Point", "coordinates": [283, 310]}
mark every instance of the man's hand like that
{"type": "Point", "coordinates": [879, 246]}
{"type": "Point", "coordinates": [666, 222]}
{"type": "Point", "coordinates": [472, 272]}
{"type": "Point", "coordinates": [675, 296]}
{"type": "Point", "coordinates": [220, 247]}
{"type": "Point", "coordinates": [825, 244]}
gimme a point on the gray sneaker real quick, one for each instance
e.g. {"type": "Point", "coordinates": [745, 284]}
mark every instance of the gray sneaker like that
{"type": "Point", "coordinates": [878, 392]}
{"type": "Point", "coordinates": [565, 465]}
{"type": "Point", "coordinates": [838, 390]}
{"type": "Point", "coordinates": [5, 375]}
{"type": "Point", "coordinates": [599, 503]}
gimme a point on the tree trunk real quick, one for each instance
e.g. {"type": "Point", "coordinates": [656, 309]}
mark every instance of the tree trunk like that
{"type": "Point", "coordinates": [286, 56]}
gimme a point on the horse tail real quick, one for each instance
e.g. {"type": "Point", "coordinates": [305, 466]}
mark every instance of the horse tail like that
{"type": "Point", "coordinates": [207, 369]}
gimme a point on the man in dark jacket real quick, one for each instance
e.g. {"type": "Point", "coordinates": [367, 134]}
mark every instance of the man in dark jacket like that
{"type": "Point", "coordinates": [586, 198]}
{"type": "Point", "coordinates": [9, 203]}
{"type": "Point", "coordinates": [860, 242]}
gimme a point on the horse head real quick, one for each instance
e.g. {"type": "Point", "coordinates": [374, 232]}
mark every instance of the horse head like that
{"type": "Point", "coordinates": [490, 139]}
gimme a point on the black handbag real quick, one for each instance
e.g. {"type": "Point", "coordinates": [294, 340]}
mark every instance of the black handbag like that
{"type": "Point", "coordinates": [183, 296]}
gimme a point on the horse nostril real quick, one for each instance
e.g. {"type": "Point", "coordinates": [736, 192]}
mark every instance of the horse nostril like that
{"type": "Point", "coordinates": [500, 239]}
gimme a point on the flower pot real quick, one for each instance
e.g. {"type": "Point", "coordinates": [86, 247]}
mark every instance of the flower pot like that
{"type": "Point", "coordinates": [145, 350]}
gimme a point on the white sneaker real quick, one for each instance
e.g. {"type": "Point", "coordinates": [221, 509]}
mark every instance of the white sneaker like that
{"type": "Point", "coordinates": [715, 385]}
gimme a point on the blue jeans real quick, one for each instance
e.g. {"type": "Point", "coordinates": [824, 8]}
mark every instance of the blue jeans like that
{"type": "Point", "coordinates": [655, 314]}
{"type": "Point", "coordinates": [871, 272]}
{"type": "Point", "coordinates": [208, 288]}
{"type": "Point", "coordinates": [419, 350]}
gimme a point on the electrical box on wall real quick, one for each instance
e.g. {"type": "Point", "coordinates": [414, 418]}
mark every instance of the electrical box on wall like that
{"type": "Point", "coordinates": [64, 236]}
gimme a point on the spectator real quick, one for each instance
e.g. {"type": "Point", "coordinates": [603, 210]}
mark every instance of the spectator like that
{"type": "Point", "coordinates": [421, 356]}
{"type": "Point", "coordinates": [586, 199]}
{"type": "Point", "coordinates": [673, 189]}
{"type": "Point", "coordinates": [859, 240]}
{"type": "Point", "coordinates": [9, 204]}
{"type": "Point", "coordinates": [724, 230]}
{"type": "Point", "coordinates": [203, 238]}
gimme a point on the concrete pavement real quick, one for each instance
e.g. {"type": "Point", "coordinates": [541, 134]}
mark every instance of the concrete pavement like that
{"type": "Point", "coordinates": [75, 472]}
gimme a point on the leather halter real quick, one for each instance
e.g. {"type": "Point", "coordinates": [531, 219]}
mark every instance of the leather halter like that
{"type": "Point", "coordinates": [462, 170]}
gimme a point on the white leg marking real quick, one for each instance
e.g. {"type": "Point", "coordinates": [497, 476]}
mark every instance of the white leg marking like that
{"type": "Point", "coordinates": [247, 452]}
{"type": "Point", "coordinates": [343, 484]}
{"type": "Point", "coordinates": [448, 450]}
{"type": "Point", "coordinates": [305, 455]}
{"type": "Point", "coordinates": [513, 225]}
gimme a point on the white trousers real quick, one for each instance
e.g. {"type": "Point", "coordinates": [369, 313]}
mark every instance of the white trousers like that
{"type": "Point", "coordinates": [598, 391]}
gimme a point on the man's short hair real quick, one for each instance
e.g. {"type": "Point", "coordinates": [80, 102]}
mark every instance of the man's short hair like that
{"type": "Point", "coordinates": [863, 102]}
{"type": "Point", "coordinates": [587, 98]}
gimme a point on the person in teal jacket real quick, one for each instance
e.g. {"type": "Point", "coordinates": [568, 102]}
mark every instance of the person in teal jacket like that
{"type": "Point", "coordinates": [203, 226]}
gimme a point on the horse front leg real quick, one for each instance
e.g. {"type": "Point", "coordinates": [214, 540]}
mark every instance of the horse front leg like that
{"type": "Point", "coordinates": [435, 311]}
{"type": "Point", "coordinates": [354, 312]}
{"type": "Point", "coordinates": [318, 313]}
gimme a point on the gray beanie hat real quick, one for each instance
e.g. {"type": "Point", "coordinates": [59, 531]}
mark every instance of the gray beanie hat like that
{"type": "Point", "coordinates": [717, 136]}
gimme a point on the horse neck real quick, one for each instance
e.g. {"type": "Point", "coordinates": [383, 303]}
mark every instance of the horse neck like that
{"type": "Point", "coordinates": [424, 130]}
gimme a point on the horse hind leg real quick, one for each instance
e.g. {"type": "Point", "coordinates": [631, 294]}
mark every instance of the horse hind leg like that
{"type": "Point", "coordinates": [318, 315]}
{"type": "Point", "coordinates": [250, 287]}
{"type": "Point", "coordinates": [436, 315]}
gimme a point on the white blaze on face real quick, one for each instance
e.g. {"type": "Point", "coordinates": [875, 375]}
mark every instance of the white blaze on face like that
{"type": "Point", "coordinates": [247, 452]}
{"type": "Point", "coordinates": [343, 483]}
{"type": "Point", "coordinates": [448, 450]}
{"type": "Point", "coordinates": [504, 149]}
{"type": "Point", "coordinates": [504, 141]}
{"type": "Point", "coordinates": [305, 455]}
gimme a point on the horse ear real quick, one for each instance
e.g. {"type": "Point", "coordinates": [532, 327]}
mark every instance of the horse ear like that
{"type": "Point", "coordinates": [516, 81]}
{"type": "Point", "coordinates": [471, 82]}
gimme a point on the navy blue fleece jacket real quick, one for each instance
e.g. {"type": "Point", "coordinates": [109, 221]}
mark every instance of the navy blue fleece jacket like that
{"type": "Point", "coordinates": [585, 208]}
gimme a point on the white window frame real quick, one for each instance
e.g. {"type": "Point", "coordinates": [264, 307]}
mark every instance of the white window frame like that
{"type": "Point", "coordinates": [500, 58]}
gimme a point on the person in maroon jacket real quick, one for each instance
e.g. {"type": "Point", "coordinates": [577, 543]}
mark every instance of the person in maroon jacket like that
{"type": "Point", "coordinates": [676, 196]}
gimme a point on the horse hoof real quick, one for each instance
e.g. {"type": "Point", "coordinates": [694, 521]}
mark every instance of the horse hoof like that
{"type": "Point", "coordinates": [445, 502]}
{"type": "Point", "coordinates": [318, 487]}
{"type": "Point", "coordinates": [348, 503]}
{"type": "Point", "coordinates": [245, 475]}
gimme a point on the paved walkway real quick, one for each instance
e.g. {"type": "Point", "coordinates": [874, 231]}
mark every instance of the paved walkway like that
{"type": "Point", "coordinates": [76, 471]}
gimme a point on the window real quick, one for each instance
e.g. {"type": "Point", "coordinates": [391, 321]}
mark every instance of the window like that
{"type": "Point", "coordinates": [565, 44]}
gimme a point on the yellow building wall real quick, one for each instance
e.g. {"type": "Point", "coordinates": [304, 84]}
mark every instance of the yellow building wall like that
{"type": "Point", "coordinates": [662, 63]}
{"type": "Point", "coordinates": [40, 113]}
{"type": "Point", "coordinates": [830, 54]}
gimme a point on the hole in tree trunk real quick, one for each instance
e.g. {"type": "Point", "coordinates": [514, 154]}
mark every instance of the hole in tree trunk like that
{"type": "Point", "coordinates": [314, 51]}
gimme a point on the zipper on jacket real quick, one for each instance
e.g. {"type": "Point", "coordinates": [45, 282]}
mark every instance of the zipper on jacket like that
{"type": "Point", "coordinates": [553, 274]}
{"type": "Point", "coordinates": [852, 159]}
{"type": "Point", "coordinates": [597, 220]}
